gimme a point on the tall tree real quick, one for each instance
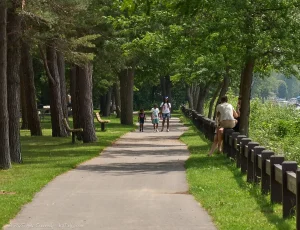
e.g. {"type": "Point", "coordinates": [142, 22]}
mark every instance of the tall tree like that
{"type": "Point", "coordinates": [30, 92]}
{"type": "Point", "coordinates": [116, 89]}
{"type": "Point", "coordinates": [50, 63]}
{"type": "Point", "coordinates": [85, 103]}
{"type": "Point", "coordinates": [126, 78]}
{"type": "Point", "coordinates": [63, 87]}
{"type": "Point", "coordinates": [13, 75]}
{"type": "Point", "coordinates": [5, 162]}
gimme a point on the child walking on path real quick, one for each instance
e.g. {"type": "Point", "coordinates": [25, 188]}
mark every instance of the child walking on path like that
{"type": "Point", "coordinates": [141, 119]}
{"type": "Point", "coordinates": [155, 118]}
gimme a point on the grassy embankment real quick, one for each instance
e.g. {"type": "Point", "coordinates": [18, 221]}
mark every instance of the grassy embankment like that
{"type": "Point", "coordinates": [223, 191]}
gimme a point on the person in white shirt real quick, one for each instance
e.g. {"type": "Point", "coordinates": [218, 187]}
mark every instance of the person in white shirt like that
{"type": "Point", "coordinates": [166, 113]}
{"type": "Point", "coordinates": [225, 119]}
{"type": "Point", "coordinates": [155, 118]}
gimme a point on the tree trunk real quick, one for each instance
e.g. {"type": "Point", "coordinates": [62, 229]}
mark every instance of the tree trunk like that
{"type": "Point", "coordinates": [58, 129]}
{"type": "Point", "coordinates": [5, 162]}
{"type": "Point", "coordinates": [63, 87]}
{"type": "Point", "coordinates": [190, 97]}
{"type": "Point", "coordinates": [25, 125]}
{"type": "Point", "coordinates": [113, 101]}
{"type": "Point", "coordinates": [224, 89]}
{"type": "Point", "coordinates": [126, 77]}
{"type": "Point", "coordinates": [30, 94]}
{"type": "Point", "coordinates": [74, 89]}
{"type": "Point", "coordinates": [196, 91]}
{"type": "Point", "coordinates": [168, 86]}
{"type": "Point", "coordinates": [246, 94]}
{"type": "Point", "coordinates": [117, 98]}
{"type": "Point", "coordinates": [102, 104]}
{"type": "Point", "coordinates": [163, 87]}
{"type": "Point", "coordinates": [201, 99]}
{"type": "Point", "coordinates": [86, 109]}
{"type": "Point", "coordinates": [107, 104]}
{"type": "Point", "coordinates": [213, 100]}
{"type": "Point", "coordinates": [13, 78]}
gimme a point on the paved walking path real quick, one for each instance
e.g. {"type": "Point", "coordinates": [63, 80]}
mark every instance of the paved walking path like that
{"type": "Point", "coordinates": [137, 184]}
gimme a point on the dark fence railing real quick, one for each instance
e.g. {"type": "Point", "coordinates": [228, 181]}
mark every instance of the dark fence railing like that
{"type": "Point", "coordinates": [276, 176]}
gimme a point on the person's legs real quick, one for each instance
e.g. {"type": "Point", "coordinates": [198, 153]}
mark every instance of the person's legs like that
{"type": "Point", "coordinates": [214, 145]}
{"type": "Point", "coordinates": [163, 122]}
{"type": "Point", "coordinates": [168, 121]}
{"type": "Point", "coordinates": [220, 139]}
{"type": "Point", "coordinates": [140, 126]}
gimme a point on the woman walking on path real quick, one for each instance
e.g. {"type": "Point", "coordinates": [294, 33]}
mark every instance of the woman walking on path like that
{"type": "Point", "coordinates": [155, 118]}
{"type": "Point", "coordinates": [225, 119]}
{"type": "Point", "coordinates": [165, 110]}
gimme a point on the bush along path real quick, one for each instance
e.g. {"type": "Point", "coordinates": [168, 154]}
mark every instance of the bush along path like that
{"type": "Point", "coordinates": [223, 191]}
{"type": "Point", "coordinates": [137, 183]}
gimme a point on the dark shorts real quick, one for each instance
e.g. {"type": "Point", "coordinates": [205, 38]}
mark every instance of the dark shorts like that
{"type": "Point", "coordinates": [166, 115]}
{"type": "Point", "coordinates": [142, 121]}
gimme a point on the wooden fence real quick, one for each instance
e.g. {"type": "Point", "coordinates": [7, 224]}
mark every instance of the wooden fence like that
{"type": "Point", "coordinates": [276, 176]}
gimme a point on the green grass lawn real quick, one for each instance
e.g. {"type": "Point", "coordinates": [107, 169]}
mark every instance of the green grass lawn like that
{"type": "Point", "coordinates": [223, 191]}
{"type": "Point", "coordinates": [45, 158]}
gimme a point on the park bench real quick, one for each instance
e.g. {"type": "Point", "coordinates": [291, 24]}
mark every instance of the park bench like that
{"type": "Point", "coordinates": [102, 122]}
{"type": "Point", "coordinates": [73, 131]}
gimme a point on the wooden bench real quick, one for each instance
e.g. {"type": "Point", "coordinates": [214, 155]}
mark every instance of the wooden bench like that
{"type": "Point", "coordinates": [73, 131]}
{"type": "Point", "coordinates": [102, 122]}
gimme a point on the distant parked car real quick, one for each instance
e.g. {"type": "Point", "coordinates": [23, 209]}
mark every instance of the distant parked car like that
{"type": "Point", "coordinates": [282, 102]}
{"type": "Point", "coordinates": [292, 101]}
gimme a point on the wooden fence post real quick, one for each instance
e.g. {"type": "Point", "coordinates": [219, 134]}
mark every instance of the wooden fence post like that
{"type": "Point", "coordinates": [298, 200]}
{"type": "Point", "coordinates": [231, 144]}
{"type": "Point", "coordinates": [265, 177]}
{"type": "Point", "coordinates": [226, 147]}
{"type": "Point", "coordinates": [256, 170]}
{"type": "Point", "coordinates": [239, 149]}
{"type": "Point", "coordinates": [244, 142]}
{"type": "Point", "coordinates": [276, 190]}
{"type": "Point", "coordinates": [250, 161]}
{"type": "Point", "coordinates": [288, 197]}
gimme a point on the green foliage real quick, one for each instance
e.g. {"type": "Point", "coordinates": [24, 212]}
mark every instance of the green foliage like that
{"type": "Point", "coordinates": [276, 128]}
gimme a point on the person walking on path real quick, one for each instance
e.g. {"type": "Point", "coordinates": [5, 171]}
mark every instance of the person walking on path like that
{"type": "Point", "coordinates": [141, 119]}
{"type": "Point", "coordinates": [166, 113]}
{"type": "Point", "coordinates": [225, 119]}
{"type": "Point", "coordinates": [154, 117]}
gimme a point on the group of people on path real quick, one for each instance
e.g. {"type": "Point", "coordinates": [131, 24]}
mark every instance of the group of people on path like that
{"type": "Point", "coordinates": [227, 117]}
{"type": "Point", "coordinates": [163, 113]}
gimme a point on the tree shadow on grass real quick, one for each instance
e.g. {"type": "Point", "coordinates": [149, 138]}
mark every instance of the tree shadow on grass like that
{"type": "Point", "coordinates": [263, 201]}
